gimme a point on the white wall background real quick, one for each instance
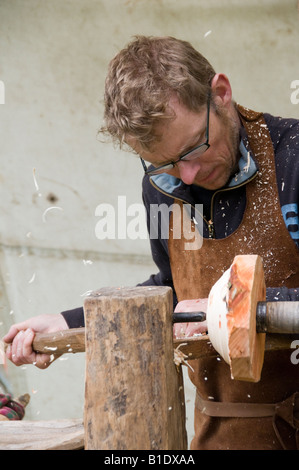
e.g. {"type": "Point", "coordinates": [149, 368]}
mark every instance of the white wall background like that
{"type": "Point", "coordinates": [53, 61]}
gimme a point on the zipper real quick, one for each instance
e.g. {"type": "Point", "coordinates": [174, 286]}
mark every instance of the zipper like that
{"type": "Point", "coordinates": [209, 223]}
{"type": "Point", "coordinates": [211, 229]}
{"type": "Point", "coordinates": [178, 199]}
{"type": "Point", "coordinates": [211, 226]}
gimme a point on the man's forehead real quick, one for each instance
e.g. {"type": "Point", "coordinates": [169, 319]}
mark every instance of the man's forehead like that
{"type": "Point", "coordinates": [178, 131]}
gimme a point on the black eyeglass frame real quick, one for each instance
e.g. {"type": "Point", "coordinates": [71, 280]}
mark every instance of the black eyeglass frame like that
{"type": "Point", "coordinates": [170, 165]}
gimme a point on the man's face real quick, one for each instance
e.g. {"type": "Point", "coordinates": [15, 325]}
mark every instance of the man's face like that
{"type": "Point", "coordinates": [213, 168]}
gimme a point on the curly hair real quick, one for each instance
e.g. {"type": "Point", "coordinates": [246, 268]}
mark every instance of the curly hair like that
{"type": "Point", "coordinates": [141, 79]}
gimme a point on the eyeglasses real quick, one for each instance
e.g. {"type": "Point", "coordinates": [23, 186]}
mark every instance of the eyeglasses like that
{"type": "Point", "coordinates": [190, 155]}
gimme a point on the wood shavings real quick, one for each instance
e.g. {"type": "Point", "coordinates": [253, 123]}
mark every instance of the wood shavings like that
{"type": "Point", "coordinates": [34, 179]}
{"type": "Point", "coordinates": [246, 167]}
{"type": "Point", "coordinates": [180, 357]}
{"type": "Point", "coordinates": [86, 294]}
{"type": "Point", "coordinates": [35, 183]}
{"type": "Point", "coordinates": [50, 209]}
{"type": "Point", "coordinates": [32, 279]}
{"type": "Point", "coordinates": [87, 261]}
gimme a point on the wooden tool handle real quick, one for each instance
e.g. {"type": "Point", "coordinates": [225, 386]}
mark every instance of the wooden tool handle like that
{"type": "Point", "coordinates": [60, 342]}
{"type": "Point", "coordinates": [278, 317]}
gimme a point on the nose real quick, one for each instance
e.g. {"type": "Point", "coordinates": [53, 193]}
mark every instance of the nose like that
{"type": "Point", "coordinates": [188, 170]}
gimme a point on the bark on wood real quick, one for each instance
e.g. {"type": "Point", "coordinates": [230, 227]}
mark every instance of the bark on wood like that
{"type": "Point", "coordinates": [134, 397]}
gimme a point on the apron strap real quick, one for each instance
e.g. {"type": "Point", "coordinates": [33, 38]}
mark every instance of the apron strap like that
{"type": "Point", "coordinates": [285, 415]}
{"type": "Point", "coordinates": [233, 410]}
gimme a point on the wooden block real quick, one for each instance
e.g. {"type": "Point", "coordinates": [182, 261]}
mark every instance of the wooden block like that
{"type": "Point", "coordinates": [134, 397]}
{"type": "Point", "coordinates": [64, 434]}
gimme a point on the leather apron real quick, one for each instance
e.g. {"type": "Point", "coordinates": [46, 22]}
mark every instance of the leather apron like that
{"type": "Point", "coordinates": [263, 232]}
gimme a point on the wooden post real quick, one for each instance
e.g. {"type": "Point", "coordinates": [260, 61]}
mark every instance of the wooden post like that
{"type": "Point", "coordinates": [134, 396]}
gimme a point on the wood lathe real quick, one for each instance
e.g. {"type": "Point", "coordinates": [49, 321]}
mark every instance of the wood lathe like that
{"type": "Point", "coordinates": [238, 318]}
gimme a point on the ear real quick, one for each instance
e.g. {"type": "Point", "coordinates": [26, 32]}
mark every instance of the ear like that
{"type": "Point", "coordinates": [221, 90]}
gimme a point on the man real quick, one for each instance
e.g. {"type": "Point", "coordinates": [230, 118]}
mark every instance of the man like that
{"type": "Point", "coordinates": [165, 101]}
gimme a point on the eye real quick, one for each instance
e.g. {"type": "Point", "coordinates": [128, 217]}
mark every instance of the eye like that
{"type": "Point", "coordinates": [200, 139]}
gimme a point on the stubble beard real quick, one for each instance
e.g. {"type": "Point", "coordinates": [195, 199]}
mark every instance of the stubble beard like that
{"type": "Point", "coordinates": [232, 123]}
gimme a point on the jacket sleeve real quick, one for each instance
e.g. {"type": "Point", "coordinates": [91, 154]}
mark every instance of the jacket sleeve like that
{"type": "Point", "coordinates": [285, 138]}
{"type": "Point", "coordinates": [282, 294]}
{"type": "Point", "coordinates": [74, 318]}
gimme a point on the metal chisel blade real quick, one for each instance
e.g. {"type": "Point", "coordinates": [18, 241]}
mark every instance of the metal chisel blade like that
{"type": "Point", "coordinates": [185, 317]}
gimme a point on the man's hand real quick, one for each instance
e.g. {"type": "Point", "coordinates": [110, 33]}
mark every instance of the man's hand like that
{"type": "Point", "coordinates": [20, 338]}
{"type": "Point", "coordinates": [187, 330]}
